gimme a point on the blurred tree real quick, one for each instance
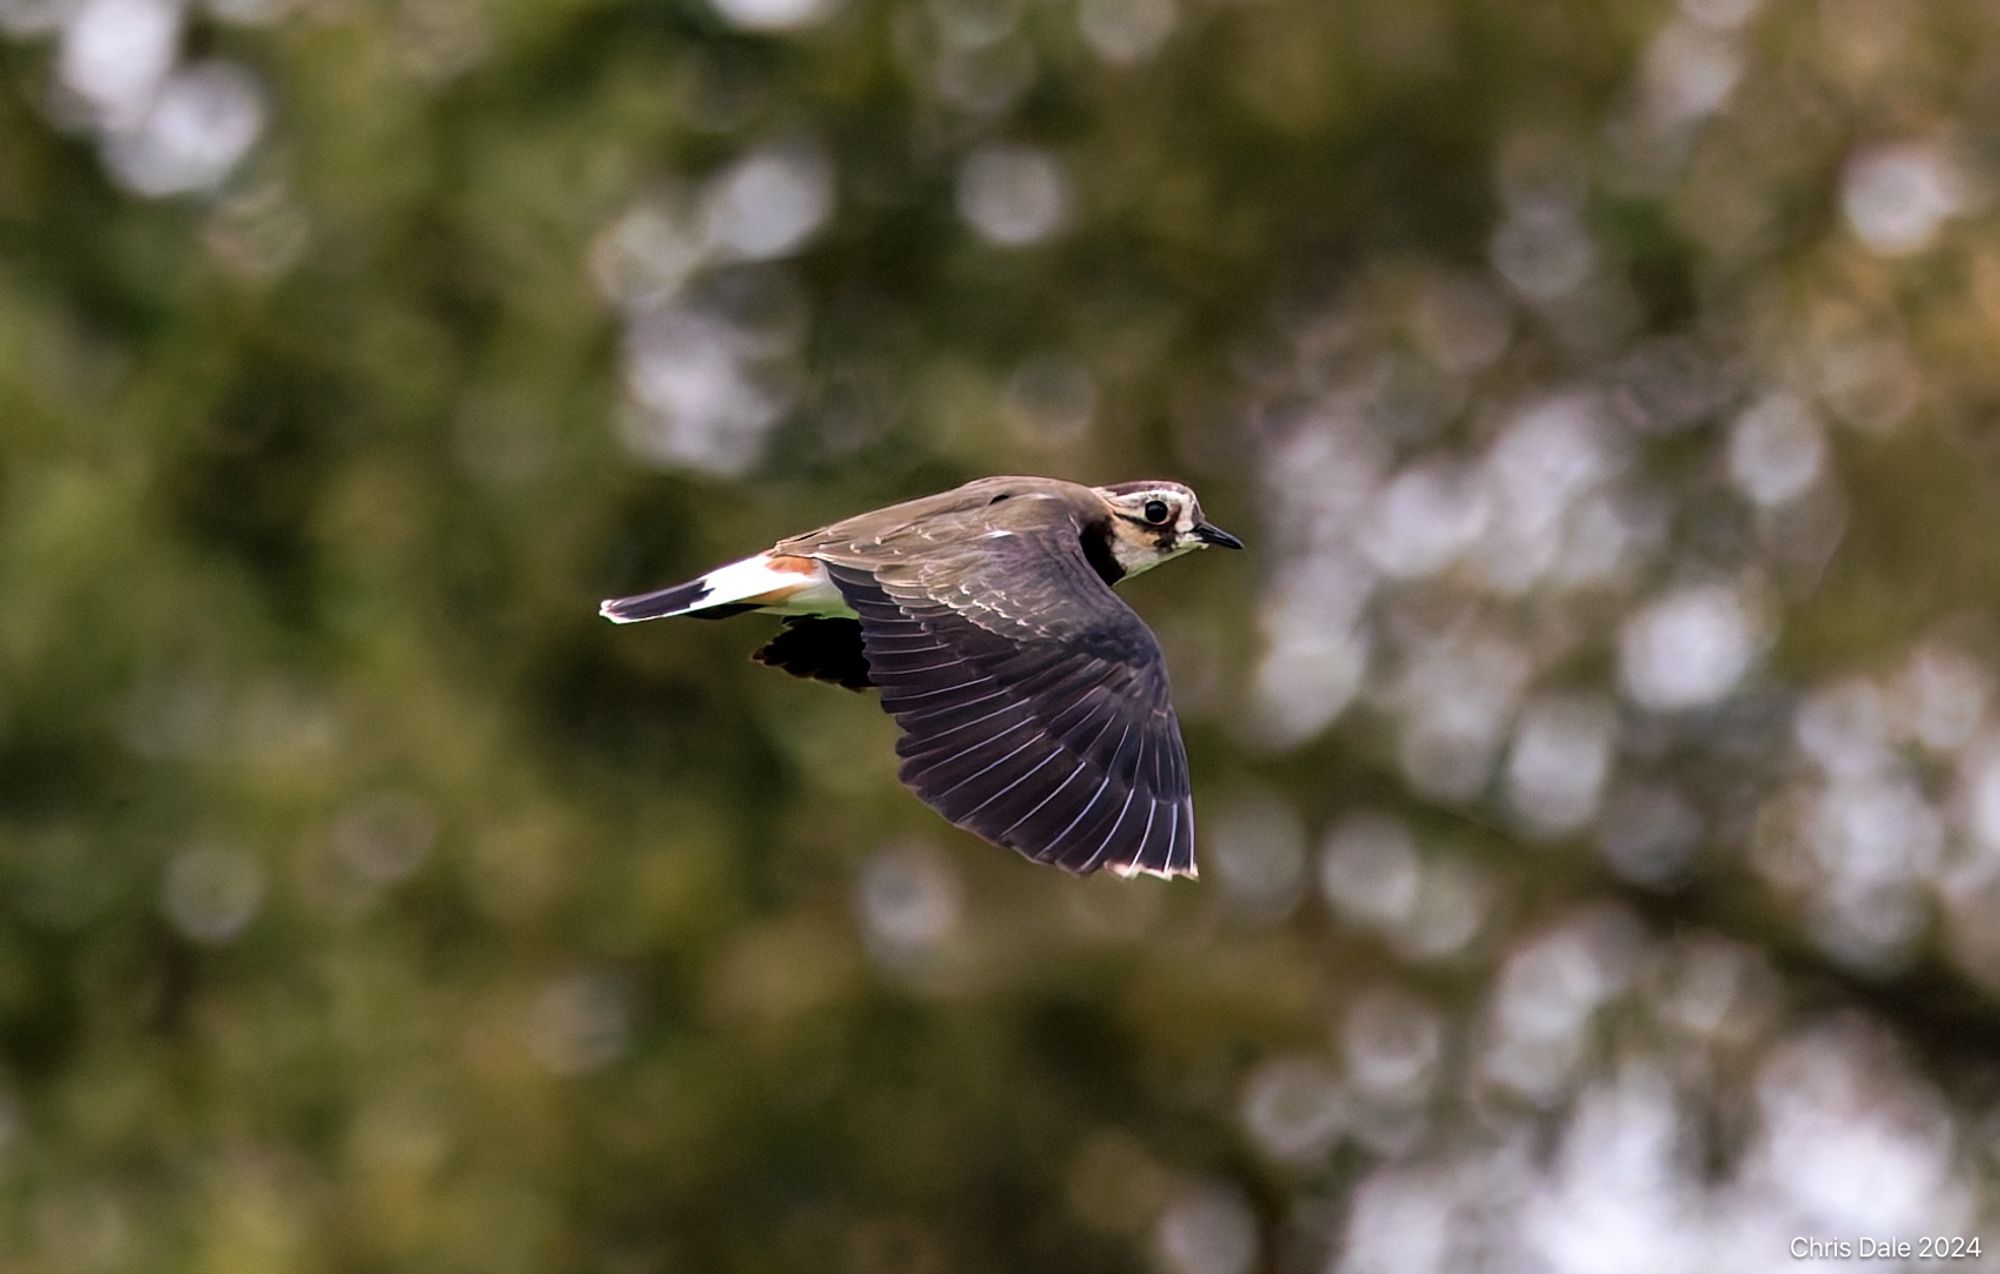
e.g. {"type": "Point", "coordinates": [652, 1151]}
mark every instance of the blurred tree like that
{"type": "Point", "coordinates": [1599, 777]}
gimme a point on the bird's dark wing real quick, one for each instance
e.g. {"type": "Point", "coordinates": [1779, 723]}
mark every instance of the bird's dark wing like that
{"type": "Point", "coordinates": [1034, 703]}
{"type": "Point", "coordinates": [819, 649]}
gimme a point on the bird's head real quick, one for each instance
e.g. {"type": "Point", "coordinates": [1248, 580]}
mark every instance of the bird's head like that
{"type": "Point", "coordinates": [1151, 522]}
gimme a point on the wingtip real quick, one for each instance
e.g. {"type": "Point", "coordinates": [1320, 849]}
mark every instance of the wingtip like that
{"type": "Point", "coordinates": [1126, 871]}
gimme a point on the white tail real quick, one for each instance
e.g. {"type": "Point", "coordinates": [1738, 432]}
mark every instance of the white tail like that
{"type": "Point", "coordinates": [768, 582]}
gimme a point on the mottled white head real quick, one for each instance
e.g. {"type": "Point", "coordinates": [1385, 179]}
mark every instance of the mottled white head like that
{"type": "Point", "coordinates": [1153, 522]}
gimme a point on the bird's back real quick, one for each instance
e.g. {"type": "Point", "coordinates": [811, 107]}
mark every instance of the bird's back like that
{"type": "Point", "coordinates": [1013, 505]}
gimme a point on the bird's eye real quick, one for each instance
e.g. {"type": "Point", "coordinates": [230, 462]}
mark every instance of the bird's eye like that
{"type": "Point", "coordinates": [1157, 511]}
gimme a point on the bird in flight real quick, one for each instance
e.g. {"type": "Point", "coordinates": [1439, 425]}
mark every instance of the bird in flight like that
{"type": "Point", "coordinates": [1033, 702]}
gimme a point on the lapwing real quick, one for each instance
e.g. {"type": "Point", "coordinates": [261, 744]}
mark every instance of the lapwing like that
{"type": "Point", "coordinates": [1033, 703]}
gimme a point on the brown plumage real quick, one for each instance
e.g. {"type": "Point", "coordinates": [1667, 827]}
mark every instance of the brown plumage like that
{"type": "Point", "coordinates": [1034, 704]}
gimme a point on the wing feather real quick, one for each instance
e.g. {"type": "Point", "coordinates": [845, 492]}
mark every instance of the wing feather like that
{"type": "Point", "coordinates": [1034, 704]}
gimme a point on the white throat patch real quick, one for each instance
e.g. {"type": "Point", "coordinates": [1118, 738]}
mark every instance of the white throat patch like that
{"type": "Point", "coordinates": [1138, 555]}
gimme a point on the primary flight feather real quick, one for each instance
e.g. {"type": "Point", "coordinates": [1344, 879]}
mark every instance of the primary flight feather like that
{"type": "Point", "coordinates": [1033, 702]}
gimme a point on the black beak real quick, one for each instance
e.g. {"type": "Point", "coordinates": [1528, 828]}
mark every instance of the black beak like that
{"type": "Point", "coordinates": [1208, 533]}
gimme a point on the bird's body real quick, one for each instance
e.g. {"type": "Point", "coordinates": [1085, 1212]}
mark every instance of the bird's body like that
{"type": "Point", "coordinates": [1034, 703]}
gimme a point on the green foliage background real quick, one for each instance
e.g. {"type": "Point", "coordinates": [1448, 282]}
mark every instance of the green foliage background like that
{"type": "Point", "coordinates": [309, 486]}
